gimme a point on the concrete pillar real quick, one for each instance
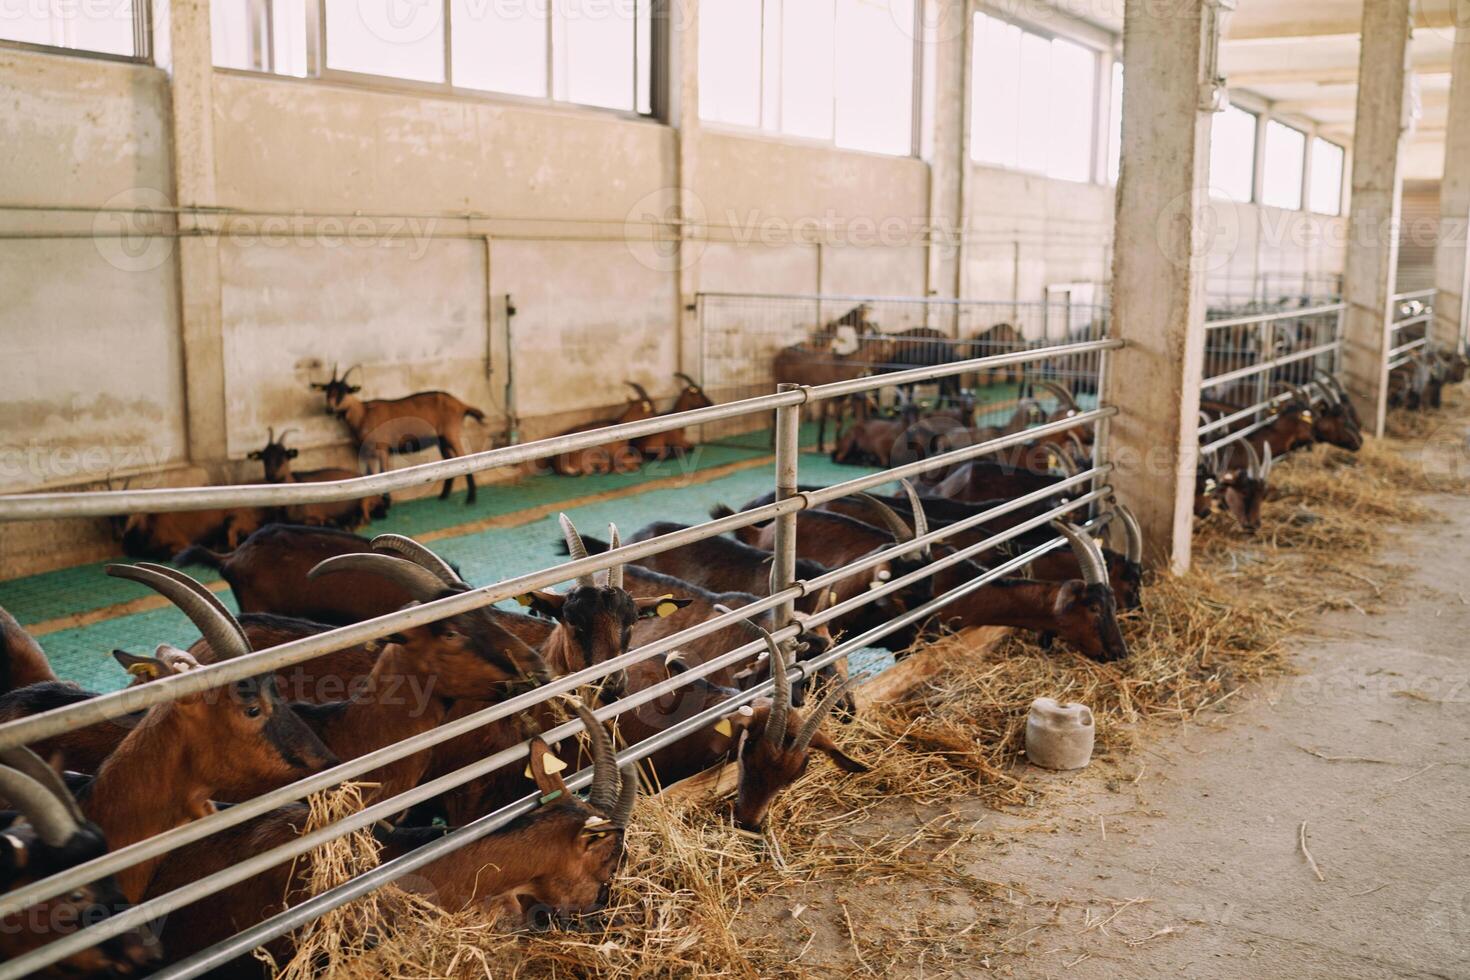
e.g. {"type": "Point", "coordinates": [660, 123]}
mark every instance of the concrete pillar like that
{"type": "Point", "coordinates": [945, 147]}
{"type": "Point", "coordinates": [182, 47]}
{"type": "Point", "coordinates": [684, 115]}
{"type": "Point", "coordinates": [1451, 263]}
{"type": "Point", "coordinates": [1373, 216]}
{"type": "Point", "coordinates": [1159, 247]}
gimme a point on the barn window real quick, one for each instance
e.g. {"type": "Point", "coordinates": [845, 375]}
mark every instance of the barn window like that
{"type": "Point", "coordinates": [1233, 154]}
{"type": "Point", "coordinates": [1327, 161]}
{"type": "Point", "coordinates": [117, 27]}
{"type": "Point", "coordinates": [839, 71]}
{"type": "Point", "coordinates": [591, 52]}
{"type": "Point", "coordinates": [1286, 156]}
{"type": "Point", "coordinates": [1034, 101]}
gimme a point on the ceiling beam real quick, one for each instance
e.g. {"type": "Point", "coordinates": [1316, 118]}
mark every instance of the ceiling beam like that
{"type": "Point", "coordinates": [1264, 29]}
{"type": "Point", "coordinates": [1319, 76]}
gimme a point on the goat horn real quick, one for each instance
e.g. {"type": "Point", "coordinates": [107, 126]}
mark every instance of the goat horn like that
{"type": "Point", "coordinates": [604, 792]}
{"type": "Point", "coordinates": [921, 520]}
{"type": "Point", "coordinates": [220, 629]}
{"type": "Point", "coordinates": [576, 549]}
{"type": "Point", "coordinates": [539, 668]}
{"type": "Point", "coordinates": [421, 584]}
{"type": "Point", "coordinates": [622, 811]}
{"type": "Point", "coordinates": [406, 547]}
{"type": "Point", "coordinates": [1067, 463]}
{"type": "Point", "coordinates": [819, 714]}
{"type": "Point", "coordinates": [689, 381]}
{"type": "Point", "coordinates": [721, 608]}
{"type": "Point", "coordinates": [1266, 463]}
{"type": "Point", "coordinates": [284, 433]}
{"type": "Point", "coordinates": [1063, 395]}
{"type": "Point", "coordinates": [896, 526]}
{"type": "Point", "coordinates": [615, 573]}
{"type": "Point", "coordinates": [1133, 533]}
{"type": "Point", "coordinates": [203, 593]}
{"type": "Point", "coordinates": [1076, 442]}
{"type": "Point", "coordinates": [335, 365]}
{"type": "Point", "coordinates": [1089, 559]}
{"type": "Point", "coordinates": [345, 374]}
{"type": "Point", "coordinates": [638, 388]}
{"type": "Point", "coordinates": [1253, 461]}
{"type": "Point", "coordinates": [270, 435]}
{"type": "Point", "coordinates": [780, 696]}
{"type": "Point", "coordinates": [50, 816]}
{"type": "Point", "coordinates": [26, 761]}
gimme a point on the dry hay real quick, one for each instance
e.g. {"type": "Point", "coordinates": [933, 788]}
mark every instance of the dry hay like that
{"type": "Point", "coordinates": [696, 899]}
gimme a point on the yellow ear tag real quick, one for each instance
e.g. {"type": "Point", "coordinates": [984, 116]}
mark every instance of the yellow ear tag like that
{"type": "Point", "coordinates": [524, 600]}
{"type": "Point", "coordinates": [551, 763]}
{"type": "Point", "coordinates": [723, 728]}
{"type": "Point", "coordinates": [143, 670]}
{"type": "Point", "coordinates": [666, 609]}
{"type": "Point", "coordinates": [831, 596]}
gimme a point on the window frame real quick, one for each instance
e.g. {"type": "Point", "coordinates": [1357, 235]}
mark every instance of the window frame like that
{"type": "Point", "coordinates": [770, 103]}
{"type": "Point", "coordinates": [1104, 53]}
{"type": "Point", "coordinates": [1259, 117]}
{"type": "Point", "coordinates": [660, 105]}
{"type": "Point", "coordinates": [1311, 169]}
{"type": "Point", "coordinates": [1264, 138]}
{"type": "Point", "coordinates": [142, 42]}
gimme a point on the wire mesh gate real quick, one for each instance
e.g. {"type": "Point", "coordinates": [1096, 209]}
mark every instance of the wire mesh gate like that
{"type": "Point", "coordinates": [750, 342]}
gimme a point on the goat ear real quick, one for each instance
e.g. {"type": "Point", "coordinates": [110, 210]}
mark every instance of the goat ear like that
{"type": "Point", "coordinates": [290, 454]}
{"type": "Point", "coordinates": [318, 386]}
{"type": "Point", "coordinates": [845, 762]}
{"type": "Point", "coordinates": [658, 607]}
{"type": "Point", "coordinates": [1068, 593]}
{"type": "Point", "coordinates": [353, 389]}
{"type": "Point", "coordinates": [546, 771]}
{"type": "Point", "coordinates": [142, 668]}
{"type": "Point", "coordinates": [732, 725]}
{"type": "Point", "coordinates": [544, 603]}
{"type": "Point", "coordinates": [255, 455]}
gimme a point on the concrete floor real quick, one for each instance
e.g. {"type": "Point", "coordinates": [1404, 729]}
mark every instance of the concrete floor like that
{"type": "Point", "coordinates": [1190, 864]}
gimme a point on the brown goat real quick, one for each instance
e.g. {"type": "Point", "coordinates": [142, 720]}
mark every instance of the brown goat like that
{"type": "Point", "coordinates": [560, 856]}
{"type": "Point", "coordinates": [169, 767]}
{"type": "Point", "coordinates": [804, 365]}
{"type": "Point", "coordinates": [674, 442]}
{"type": "Point", "coordinates": [619, 456]}
{"type": "Point", "coordinates": [160, 536]}
{"type": "Point", "coordinates": [382, 427]}
{"type": "Point", "coordinates": [22, 661]}
{"type": "Point", "coordinates": [46, 836]}
{"type": "Point", "coordinates": [349, 514]}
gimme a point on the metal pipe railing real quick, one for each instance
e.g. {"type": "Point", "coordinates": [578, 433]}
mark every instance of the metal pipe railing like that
{"type": "Point", "coordinates": [107, 503]}
{"type": "Point", "coordinates": [1245, 321]}
{"type": "Point", "coordinates": [785, 592]}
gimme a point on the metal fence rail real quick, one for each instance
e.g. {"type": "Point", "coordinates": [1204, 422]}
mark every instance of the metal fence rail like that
{"type": "Point", "coordinates": [1248, 359]}
{"type": "Point", "coordinates": [1412, 313]}
{"type": "Point", "coordinates": [785, 590]}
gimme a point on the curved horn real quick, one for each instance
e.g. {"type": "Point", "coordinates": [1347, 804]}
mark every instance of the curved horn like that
{"type": "Point", "coordinates": [28, 762]}
{"type": "Point", "coordinates": [355, 367]}
{"type": "Point", "coordinates": [335, 365]}
{"type": "Point", "coordinates": [722, 609]}
{"type": "Point", "coordinates": [689, 381]}
{"type": "Point", "coordinates": [1133, 533]}
{"type": "Point", "coordinates": [270, 435]}
{"type": "Point", "coordinates": [627, 796]}
{"type": "Point", "coordinates": [1076, 442]}
{"type": "Point", "coordinates": [780, 696]}
{"type": "Point", "coordinates": [604, 791]}
{"type": "Point", "coordinates": [1067, 463]}
{"type": "Point", "coordinates": [576, 549]}
{"type": "Point", "coordinates": [1063, 395]}
{"type": "Point", "coordinates": [921, 520]}
{"type": "Point", "coordinates": [819, 713]}
{"type": "Point", "coordinates": [220, 629]}
{"type": "Point", "coordinates": [406, 547]}
{"type": "Point", "coordinates": [615, 573]}
{"type": "Point", "coordinates": [421, 584]}
{"type": "Point", "coordinates": [1266, 463]}
{"type": "Point", "coordinates": [638, 388]}
{"type": "Point", "coordinates": [1253, 461]}
{"type": "Point", "coordinates": [1089, 558]}
{"type": "Point", "coordinates": [895, 524]}
{"type": "Point", "coordinates": [284, 433]}
{"type": "Point", "coordinates": [52, 819]}
{"type": "Point", "coordinates": [202, 592]}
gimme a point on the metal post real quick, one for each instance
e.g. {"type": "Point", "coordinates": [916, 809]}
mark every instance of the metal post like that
{"type": "Point", "coordinates": [788, 452]}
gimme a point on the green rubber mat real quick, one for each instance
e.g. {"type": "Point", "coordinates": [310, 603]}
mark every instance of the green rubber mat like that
{"type": "Point", "coordinates": [82, 654]}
